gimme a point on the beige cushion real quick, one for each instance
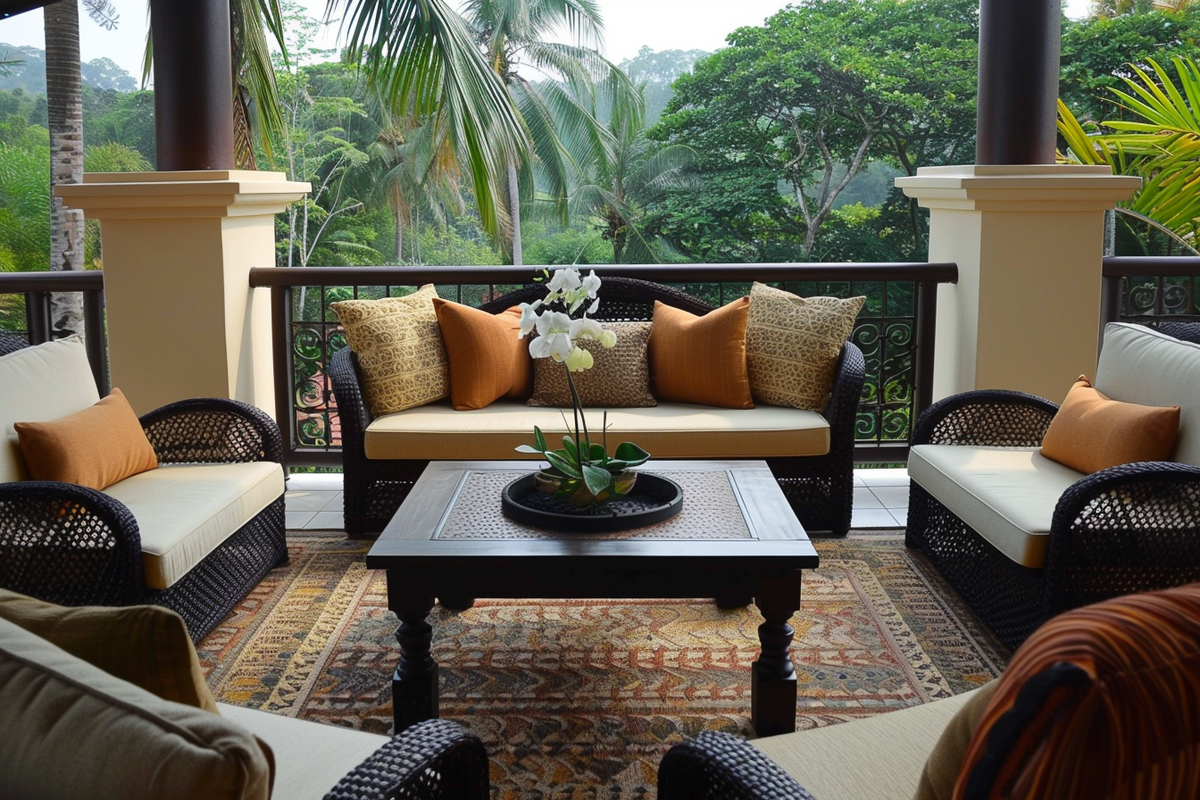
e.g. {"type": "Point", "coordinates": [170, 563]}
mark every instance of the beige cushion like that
{"type": "Point", "coordinates": [310, 758]}
{"type": "Point", "coordinates": [949, 755]}
{"type": "Point", "coordinates": [1007, 495]}
{"type": "Point", "coordinates": [148, 646]}
{"type": "Point", "coordinates": [399, 348]}
{"type": "Point", "coordinates": [669, 430]}
{"type": "Point", "coordinates": [94, 447]}
{"type": "Point", "coordinates": [793, 344]}
{"type": "Point", "coordinates": [880, 757]}
{"type": "Point", "coordinates": [1092, 432]}
{"type": "Point", "coordinates": [37, 384]}
{"type": "Point", "coordinates": [74, 732]}
{"type": "Point", "coordinates": [619, 378]}
{"type": "Point", "coordinates": [184, 511]}
{"type": "Point", "coordinates": [1138, 365]}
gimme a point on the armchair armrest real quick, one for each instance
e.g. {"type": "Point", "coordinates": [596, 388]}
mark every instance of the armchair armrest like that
{"type": "Point", "coordinates": [1129, 528]}
{"type": "Point", "coordinates": [68, 544]}
{"type": "Point", "coordinates": [996, 417]}
{"type": "Point", "coordinates": [720, 766]}
{"type": "Point", "coordinates": [842, 409]}
{"type": "Point", "coordinates": [431, 760]}
{"type": "Point", "coordinates": [212, 430]}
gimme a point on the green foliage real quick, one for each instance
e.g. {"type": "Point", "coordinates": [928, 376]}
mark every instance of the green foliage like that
{"type": "Point", "coordinates": [654, 72]}
{"type": "Point", "coordinates": [24, 209]}
{"type": "Point", "coordinates": [574, 245]}
{"type": "Point", "coordinates": [126, 118]}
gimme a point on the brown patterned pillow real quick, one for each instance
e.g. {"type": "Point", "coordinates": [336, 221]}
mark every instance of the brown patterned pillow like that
{"type": "Point", "coordinates": [399, 348]}
{"type": "Point", "coordinates": [619, 378]}
{"type": "Point", "coordinates": [793, 344]}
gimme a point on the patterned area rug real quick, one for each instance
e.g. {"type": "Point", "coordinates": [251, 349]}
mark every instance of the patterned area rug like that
{"type": "Point", "coordinates": [580, 698]}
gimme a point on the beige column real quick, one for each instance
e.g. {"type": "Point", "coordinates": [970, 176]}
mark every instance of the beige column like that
{"type": "Point", "coordinates": [178, 247]}
{"type": "Point", "coordinates": [1028, 241]}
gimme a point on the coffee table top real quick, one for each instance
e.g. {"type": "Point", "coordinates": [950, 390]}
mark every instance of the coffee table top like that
{"type": "Point", "coordinates": [730, 508]}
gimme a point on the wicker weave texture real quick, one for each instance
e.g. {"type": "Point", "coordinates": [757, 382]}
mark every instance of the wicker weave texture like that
{"type": "Point", "coordinates": [720, 766]}
{"type": "Point", "coordinates": [212, 431]}
{"type": "Point", "coordinates": [433, 760]}
{"type": "Point", "coordinates": [819, 488]}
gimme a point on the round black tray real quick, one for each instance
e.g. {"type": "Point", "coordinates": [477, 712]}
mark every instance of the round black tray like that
{"type": "Point", "coordinates": [653, 499]}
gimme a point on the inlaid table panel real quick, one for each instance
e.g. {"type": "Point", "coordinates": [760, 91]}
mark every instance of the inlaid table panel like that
{"type": "Point", "coordinates": [735, 539]}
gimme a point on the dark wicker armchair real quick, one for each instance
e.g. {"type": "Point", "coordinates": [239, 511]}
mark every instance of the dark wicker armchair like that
{"type": "Point", "coordinates": [819, 488]}
{"type": "Point", "coordinates": [73, 545]}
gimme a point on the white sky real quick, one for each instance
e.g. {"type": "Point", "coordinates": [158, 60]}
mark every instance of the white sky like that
{"type": "Point", "coordinates": [629, 24]}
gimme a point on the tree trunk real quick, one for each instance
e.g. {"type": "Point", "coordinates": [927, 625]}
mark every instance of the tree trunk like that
{"type": "Point", "coordinates": [399, 233]}
{"type": "Point", "coordinates": [64, 101]}
{"type": "Point", "coordinates": [514, 208]}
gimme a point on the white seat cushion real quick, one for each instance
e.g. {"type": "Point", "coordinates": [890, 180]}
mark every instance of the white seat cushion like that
{"type": "Point", "coordinates": [185, 511]}
{"type": "Point", "coordinates": [39, 384]}
{"type": "Point", "coordinates": [1006, 494]}
{"type": "Point", "coordinates": [880, 757]}
{"type": "Point", "coordinates": [668, 430]}
{"type": "Point", "coordinates": [310, 758]}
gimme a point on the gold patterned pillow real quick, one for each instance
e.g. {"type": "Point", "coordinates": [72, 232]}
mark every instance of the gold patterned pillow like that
{"type": "Point", "coordinates": [399, 348]}
{"type": "Point", "coordinates": [793, 344]}
{"type": "Point", "coordinates": [619, 378]}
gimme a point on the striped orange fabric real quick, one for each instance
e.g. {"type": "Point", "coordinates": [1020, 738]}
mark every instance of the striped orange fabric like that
{"type": "Point", "coordinates": [1100, 702]}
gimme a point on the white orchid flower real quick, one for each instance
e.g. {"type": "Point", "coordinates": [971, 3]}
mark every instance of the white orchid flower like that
{"type": "Point", "coordinates": [551, 322]}
{"type": "Point", "coordinates": [579, 360]}
{"type": "Point", "coordinates": [561, 347]}
{"type": "Point", "coordinates": [529, 318]}
{"type": "Point", "coordinates": [608, 338]}
{"type": "Point", "coordinates": [585, 329]}
{"type": "Point", "coordinates": [591, 284]}
{"type": "Point", "coordinates": [565, 279]}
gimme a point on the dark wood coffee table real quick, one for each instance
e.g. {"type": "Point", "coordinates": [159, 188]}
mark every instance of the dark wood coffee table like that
{"type": "Point", "coordinates": [735, 539]}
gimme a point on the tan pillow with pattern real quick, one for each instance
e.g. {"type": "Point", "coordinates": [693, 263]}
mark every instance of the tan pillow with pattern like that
{"type": "Point", "coordinates": [793, 344]}
{"type": "Point", "coordinates": [619, 378]}
{"type": "Point", "coordinates": [399, 348]}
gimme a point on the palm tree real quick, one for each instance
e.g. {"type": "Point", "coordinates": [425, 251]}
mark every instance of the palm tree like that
{"type": "Point", "coordinates": [556, 107]}
{"type": "Point", "coordinates": [1160, 142]}
{"type": "Point", "coordinates": [621, 175]}
{"type": "Point", "coordinates": [420, 55]}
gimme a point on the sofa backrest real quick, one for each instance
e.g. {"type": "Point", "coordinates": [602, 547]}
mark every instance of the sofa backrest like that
{"type": "Point", "coordinates": [1140, 365]}
{"type": "Point", "coordinates": [38, 384]}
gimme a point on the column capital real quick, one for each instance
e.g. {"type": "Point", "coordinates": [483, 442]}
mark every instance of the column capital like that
{"type": "Point", "coordinates": [1019, 187]}
{"type": "Point", "coordinates": [185, 194]}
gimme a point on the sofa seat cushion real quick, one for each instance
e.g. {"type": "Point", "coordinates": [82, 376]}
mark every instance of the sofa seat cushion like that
{"type": "Point", "coordinates": [72, 731]}
{"type": "Point", "coordinates": [880, 757]}
{"type": "Point", "coordinates": [39, 384]}
{"type": "Point", "coordinates": [1006, 494]}
{"type": "Point", "coordinates": [436, 431]}
{"type": "Point", "coordinates": [185, 511]}
{"type": "Point", "coordinates": [310, 758]}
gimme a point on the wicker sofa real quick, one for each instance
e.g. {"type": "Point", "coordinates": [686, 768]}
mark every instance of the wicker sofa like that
{"type": "Point", "coordinates": [193, 535]}
{"type": "Point", "coordinates": [75, 730]}
{"type": "Point", "coordinates": [1022, 537]}
{"type": "Point", "coordinates": [810, 453]}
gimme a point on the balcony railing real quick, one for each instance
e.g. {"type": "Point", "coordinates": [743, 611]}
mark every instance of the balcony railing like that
{"type": "Point", "coordinates": [895, 331]}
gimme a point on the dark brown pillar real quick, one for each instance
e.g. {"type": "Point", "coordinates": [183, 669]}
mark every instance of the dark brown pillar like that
{"type": "Point", "coordinates": [193, 86]}
{"type": "Point", "coordinates": [1018, 81]}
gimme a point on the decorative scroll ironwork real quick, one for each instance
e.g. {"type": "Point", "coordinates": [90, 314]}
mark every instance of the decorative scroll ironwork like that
{"type": "Point", "coordinates": [1150, 297]}
{"type": "Point", "coordinates": [885, 332]}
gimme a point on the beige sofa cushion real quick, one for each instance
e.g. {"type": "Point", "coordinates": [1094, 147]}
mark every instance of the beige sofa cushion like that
{"type": "Point", "coordinates": [1006, 494]}
{"type": "Point", "coordinates": [184, 511]}
{"type": "Point", "coordinates": [1138, 365]}
{"type": "Point", "coordinates": [880, 757]}
{"type": "Point", "coordinates": [74, 732]}
{"type": "Point", "coordinates": [310, 758]}
{"type": "Point", "coordinates": [668, 430]}
{"type": "Point", "coordinates": [38, 384]}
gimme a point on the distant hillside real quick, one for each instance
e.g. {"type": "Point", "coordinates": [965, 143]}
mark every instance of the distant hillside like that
{"type": "Point", "coordinates": [30, 74]}
{"type": "Point", "coordinates": [658, 70]}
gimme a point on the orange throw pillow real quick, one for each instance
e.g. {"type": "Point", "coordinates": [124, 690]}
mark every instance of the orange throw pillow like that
{"type": "Point", "coordinates": [95, 447]}
{"type": "Point", "coordinates": [701, 359]}
{"type": "Point", "coordinates": [487, 359]}
{"type": "Point", "coordinates": [1091, 432]}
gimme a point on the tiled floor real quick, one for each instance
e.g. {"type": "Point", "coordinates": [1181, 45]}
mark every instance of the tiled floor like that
{"type": "Point", "coordinates": [314, 502]}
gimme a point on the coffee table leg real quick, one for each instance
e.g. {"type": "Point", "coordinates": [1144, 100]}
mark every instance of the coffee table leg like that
{"type": "Point", "coordinates": [415, 682]}
{"type": "Point", "coordinates": [772, 676]}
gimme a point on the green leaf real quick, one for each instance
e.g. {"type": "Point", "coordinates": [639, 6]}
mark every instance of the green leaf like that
{"type": "Point", "coordinates": [631, 454]}
{"type": "Point", "coordinates": [528, 448]}
{"type": "Point", "coordinates": [562, 464]}
{"type": "Point", "coordinates": [539, 440]}
{"type": "Point", "coordinates": [572, 450]}
{"type": "Point", "coordinates": [597, 479]}
{"type": "Point", "coordinates": [596, 453]}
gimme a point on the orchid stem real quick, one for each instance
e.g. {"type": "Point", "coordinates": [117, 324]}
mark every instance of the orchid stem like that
{"type": "Point", "coordinates": [584, 444]}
